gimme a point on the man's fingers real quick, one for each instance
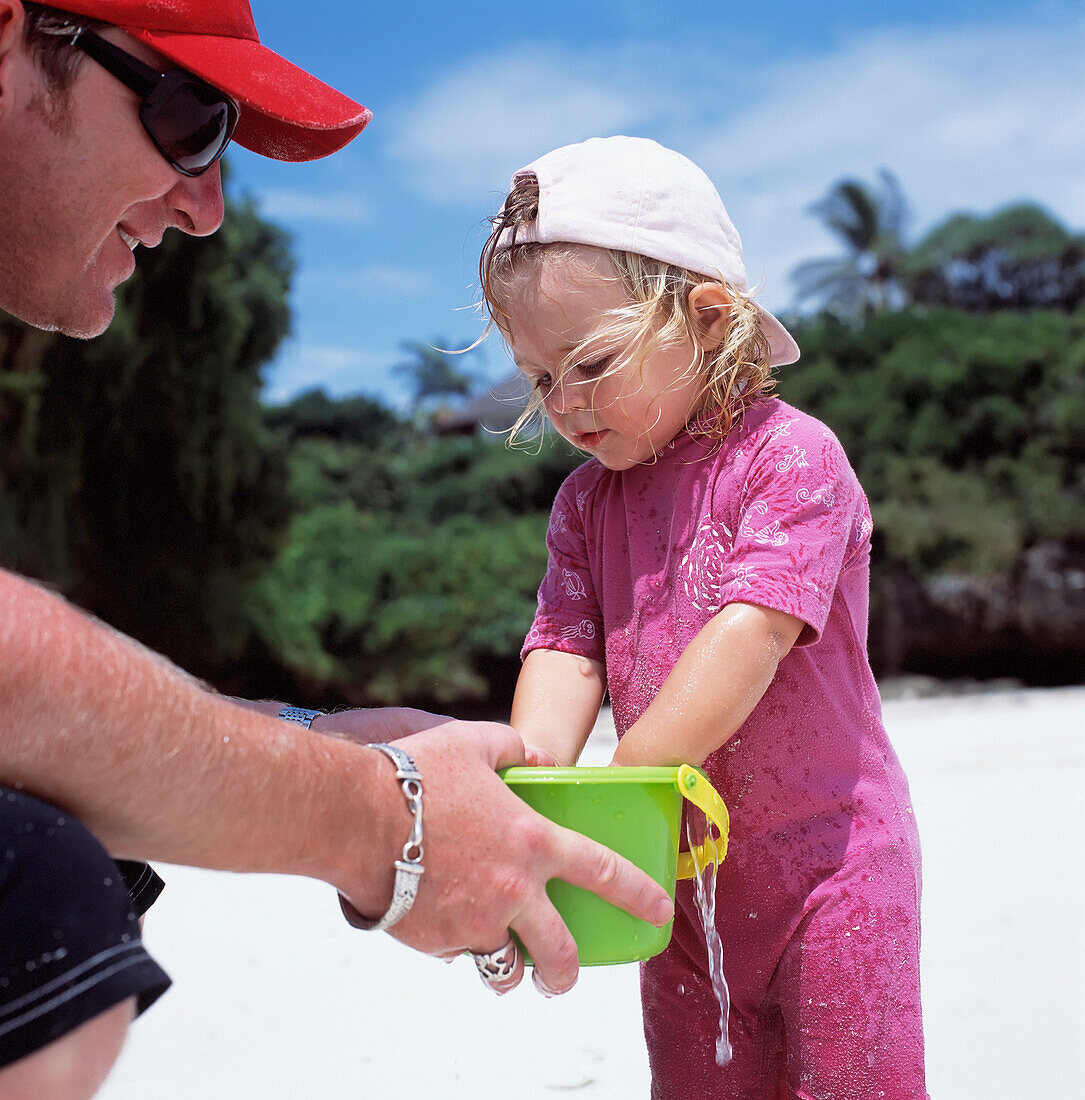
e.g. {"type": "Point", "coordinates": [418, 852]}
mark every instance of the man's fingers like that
{"type": "Point", "coordinates": [551, 947]}
{"type": "Point", "coordinates": [498, 746]}
{"type": "Point", "coordinates": [500, 969]}
{"type": "Point", "coordinates": [585, 863]}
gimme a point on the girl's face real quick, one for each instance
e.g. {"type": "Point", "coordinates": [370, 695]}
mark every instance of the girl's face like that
{"type": "Point", "coordinates": [618, 406]}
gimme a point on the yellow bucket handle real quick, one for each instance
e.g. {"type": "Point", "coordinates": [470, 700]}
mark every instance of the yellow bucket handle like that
{"type": "Point", "coordinates": [694, 786]}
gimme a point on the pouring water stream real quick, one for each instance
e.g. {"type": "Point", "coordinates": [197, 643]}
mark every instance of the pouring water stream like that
{"type": "Point", "coordinates": [704, 885]}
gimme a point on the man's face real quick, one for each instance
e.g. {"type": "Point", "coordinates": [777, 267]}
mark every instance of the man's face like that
{"type": "Point", "coordinates": [81, 184]}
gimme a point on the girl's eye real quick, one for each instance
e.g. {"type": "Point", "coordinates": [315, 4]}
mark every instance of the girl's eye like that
{"type": "Point", "coordinates": [592, 370]}
{"type": "Point", "coordinates": [543, 383]}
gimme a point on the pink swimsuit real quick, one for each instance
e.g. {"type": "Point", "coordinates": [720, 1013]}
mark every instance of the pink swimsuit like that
{"type": "Point", "coordinates": [818, 901]}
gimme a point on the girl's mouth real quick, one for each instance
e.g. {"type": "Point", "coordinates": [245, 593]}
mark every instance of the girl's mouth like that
{"type": "Point", "coordinates": [588, 440]}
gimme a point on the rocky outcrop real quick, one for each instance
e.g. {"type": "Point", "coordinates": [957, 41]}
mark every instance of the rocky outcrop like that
{"type": "Point", "coordinates": [1029, 625]}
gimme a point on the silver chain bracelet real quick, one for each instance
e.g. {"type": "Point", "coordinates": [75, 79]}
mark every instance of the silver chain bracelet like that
{"type": "Point", "coordinates": [409, 868]}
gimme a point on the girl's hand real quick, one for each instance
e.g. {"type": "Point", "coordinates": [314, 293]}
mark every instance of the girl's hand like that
{"type": "Point", "coordinates": [538, 758]}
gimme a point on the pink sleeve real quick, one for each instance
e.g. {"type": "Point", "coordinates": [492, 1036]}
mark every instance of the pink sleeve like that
{"type": "Point", "coordinates": [801, 517]}
{"type": "Point", "coordinates": [567, 617]}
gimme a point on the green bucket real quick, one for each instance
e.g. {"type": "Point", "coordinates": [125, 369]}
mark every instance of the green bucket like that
{"type": "Point", "coordinates": [638, 813]}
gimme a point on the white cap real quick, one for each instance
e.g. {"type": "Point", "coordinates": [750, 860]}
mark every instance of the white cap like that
{"type": "Point", "coordinates": [633, 195]}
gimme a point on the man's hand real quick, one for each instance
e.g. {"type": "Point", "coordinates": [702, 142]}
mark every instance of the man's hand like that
{"type": "Point", "coordinates": [380, 724]}
{"type": "Point", "coordinates": [363, 726]}
{"type": "Point", "coordinates": [488, 857]}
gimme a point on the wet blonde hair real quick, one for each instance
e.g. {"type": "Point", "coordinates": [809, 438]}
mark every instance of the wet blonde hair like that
{"type": "Point", "coordinates": [734, 374]}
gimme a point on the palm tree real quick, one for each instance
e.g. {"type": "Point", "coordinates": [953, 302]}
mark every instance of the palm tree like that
{"type": "Point", "coordinates": [870, 221]}
{"type": "Point", "coordinates": [433, 374]}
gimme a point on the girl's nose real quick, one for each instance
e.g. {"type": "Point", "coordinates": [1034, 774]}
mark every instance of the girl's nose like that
{"type": "Point", "coordinates": [568, 395]}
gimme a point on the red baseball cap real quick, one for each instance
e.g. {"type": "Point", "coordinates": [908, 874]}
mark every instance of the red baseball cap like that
{"type": "Point", "coordinates": [286, 113]}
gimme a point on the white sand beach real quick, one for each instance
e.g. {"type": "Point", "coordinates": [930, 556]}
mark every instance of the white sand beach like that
{"type": "Point", "coordinates": [276, 997]}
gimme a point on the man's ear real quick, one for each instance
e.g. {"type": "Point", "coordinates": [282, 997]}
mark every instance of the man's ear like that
{"type": "Point", "coordinates": [710, 306]}
{"type": "Point", "coordinates": [12, 21]}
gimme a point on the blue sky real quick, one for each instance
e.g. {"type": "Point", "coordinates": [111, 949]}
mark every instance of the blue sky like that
{"type": "Point", "coordinates": [972, 105]}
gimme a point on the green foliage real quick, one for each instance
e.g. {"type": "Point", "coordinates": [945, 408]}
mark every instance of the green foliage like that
{"type": "Point", "coordinates": [483, 477]}
{"type": "Point", "coordinates": [314, 414]}
{"type": "Point", "coordinates": [967, 432]}
{"type": "Point", "coordinates": [938, 519]}
{"type": "Point", "coordinates": [383, 612]}
{"type": "Point", "coordinates": [409, 572]}
{"type": "Point", "coordinates": [1017, 258]}
{"type": "Point", "coordinates": [423, 479]}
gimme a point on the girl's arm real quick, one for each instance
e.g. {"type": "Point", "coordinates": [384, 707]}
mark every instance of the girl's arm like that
{"type": "Point", "coordinates": [712, 688]}
{"type": "Point", "coordinates": [557, 702]}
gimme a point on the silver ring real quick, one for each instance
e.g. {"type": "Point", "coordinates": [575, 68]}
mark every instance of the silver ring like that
{"type": "Point", "coordinates": [496, 967]}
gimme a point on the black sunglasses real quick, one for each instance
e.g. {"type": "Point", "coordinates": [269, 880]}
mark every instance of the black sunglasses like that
{"type": "Point", "coordinates": [189, 121]}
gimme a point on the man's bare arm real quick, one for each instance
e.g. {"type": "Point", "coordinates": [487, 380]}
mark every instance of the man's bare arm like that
{"type": "Point", "coordinates": [161, 768]}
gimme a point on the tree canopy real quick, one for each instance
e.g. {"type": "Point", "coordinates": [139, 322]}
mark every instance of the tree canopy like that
{"type": "Point", "coordinates": [1017, 258]}
{"type": "Point", "coordinates": [435, 374]}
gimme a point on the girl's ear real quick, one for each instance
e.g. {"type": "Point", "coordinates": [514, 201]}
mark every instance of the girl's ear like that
{"type": "Point", "coordinates": [710, 306]}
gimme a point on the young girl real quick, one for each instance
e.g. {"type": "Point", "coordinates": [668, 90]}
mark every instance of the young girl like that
{"type": "Point", "coordinates": [709, 568]}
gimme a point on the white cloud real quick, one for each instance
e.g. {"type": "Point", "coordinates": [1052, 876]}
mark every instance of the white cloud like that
{"type": "Point", "coordinates": [461, 139]}
{"type": "Point", "coordinates": [967, 117]}
{"type": "Point", "coordinates": [339, 370]}
{"type": "Point", "coordinates": [337, 207]}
